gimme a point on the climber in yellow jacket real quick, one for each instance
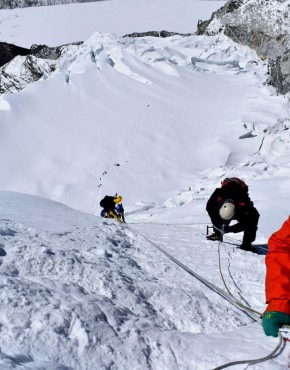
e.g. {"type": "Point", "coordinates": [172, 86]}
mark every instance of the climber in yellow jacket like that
{"type": "Point", "coordinates": [112, 207]}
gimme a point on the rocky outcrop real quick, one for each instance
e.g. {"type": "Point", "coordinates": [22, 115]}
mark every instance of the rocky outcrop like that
{"type": "Point", "coordinates": [9, 51]}
{"type": "Point", "coordinates": [46, 52]}
{"type": "Point", "coordinates": [156, 34]}
{"type": "Point", "coordinates": [11, 4]}
{"type": "Point", "coordinates": [21, 71]}
{"type": "Point", "coordinates": [19, 66]}
{"type": "Point", "coordinates": [263, 26]}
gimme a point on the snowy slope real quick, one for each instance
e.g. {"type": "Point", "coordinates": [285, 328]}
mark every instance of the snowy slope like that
{"type": "Point", "coordinates": [161, 121]}
{"type": "Point", "coordinates": [78, 293]}
{"type": "Point", "coordinates": [122, 113]}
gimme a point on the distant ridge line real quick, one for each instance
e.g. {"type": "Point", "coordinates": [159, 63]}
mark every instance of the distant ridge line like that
{"type": "Point", "coordinates": [162, 34]}
{"type": "Point", "coordinates": [12, 4]}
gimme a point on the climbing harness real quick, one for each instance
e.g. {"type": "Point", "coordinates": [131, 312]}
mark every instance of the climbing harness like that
{"type": "Point", "coordinates": [111, 214]}
{"type": "Point", "coordinates": [285, 332]}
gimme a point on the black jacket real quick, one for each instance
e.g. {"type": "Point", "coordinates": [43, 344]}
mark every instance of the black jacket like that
{"type": "Point", "coordinates": [108, 203]}
{"type": "Point", "coordinates": [232, 191]}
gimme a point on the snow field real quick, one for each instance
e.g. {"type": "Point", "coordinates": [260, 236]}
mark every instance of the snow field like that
{"type": "Point", "coordinates": [63, 24]}
{"type": "Point", "coordinates": [156, 109]}
{"type": "Point", "coordinates": [79, 293]}
{"type": "Point", "coordinates": [161, 121]}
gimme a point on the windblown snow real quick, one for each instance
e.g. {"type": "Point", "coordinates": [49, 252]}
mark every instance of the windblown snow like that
{"type": "Point", "coordinates": [160, 121]}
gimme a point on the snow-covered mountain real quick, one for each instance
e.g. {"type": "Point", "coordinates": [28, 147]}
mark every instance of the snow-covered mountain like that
{"type": "Point", "coordinates": [20, 67]}
{"type": "Point", "coordinates": [122, 112]}
{"type": "Point", "coordinates": [161, 121]}
{"type": "Point", "coordinates": [263, 26]}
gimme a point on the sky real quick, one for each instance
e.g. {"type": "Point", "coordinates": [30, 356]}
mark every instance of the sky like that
{"type": "Point", "coordinates": [161, 122]}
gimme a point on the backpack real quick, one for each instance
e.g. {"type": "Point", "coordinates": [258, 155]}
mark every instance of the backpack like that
{"type": "Point", "coordinates": [235, 180]}
{"type": "Point", "coordinates": [107, 202]}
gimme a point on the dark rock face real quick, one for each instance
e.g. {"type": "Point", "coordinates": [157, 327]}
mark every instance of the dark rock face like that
{"type": "Point", "coordinates": [280, 73]}
{"type": "Point", "coordinates": [263, 26]}
{"type": "Point", "coordinates": [155, 34]}
{"type": "Point", "coordinates": [46, 52]}
{"type": "Point", "coordinates": [22, 71]}
{"type": "Point", "coordinates": [11, 4]}
{"type": "Point", "coordinates": [229, 7]}
{"type": "Point", "coordinates": [9, 51]}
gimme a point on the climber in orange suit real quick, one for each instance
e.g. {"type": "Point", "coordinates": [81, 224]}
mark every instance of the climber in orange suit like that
{"type": "Point", "coordinates": [277, 285]}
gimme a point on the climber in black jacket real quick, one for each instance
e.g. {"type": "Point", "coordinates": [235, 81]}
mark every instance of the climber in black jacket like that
{"type": "Point", "coordinates": [232, 202]}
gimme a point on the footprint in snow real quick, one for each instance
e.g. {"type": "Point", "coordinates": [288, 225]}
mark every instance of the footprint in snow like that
{"type": "Point", "coordinates": [2, 252]}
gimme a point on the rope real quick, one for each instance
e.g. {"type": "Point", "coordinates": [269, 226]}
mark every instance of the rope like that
{"type": "Point", "coordinates": [194, 227]}
{"type": "Point", "coordinates": [210, 285]}
{"type": "Point", "coordinates": [230, 298]}
{"type": "Point", "coordinates": [280, 347]}
{"type": "Point", "coordinates": [238, 302]}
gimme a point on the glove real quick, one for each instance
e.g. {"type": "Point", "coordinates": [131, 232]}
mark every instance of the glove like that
{"type": "Point", "coordinates": [273, 320]}
{"type": "Point", "coordinates": [227, 229]}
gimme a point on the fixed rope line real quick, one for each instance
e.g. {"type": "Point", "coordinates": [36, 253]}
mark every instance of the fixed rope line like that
{"type": "Point", "coordinates": [276, 352]}
{"type": "Point", "coordinates": [194, 226]}
{"type": "Point", "coordinates": [227, 295]}
{"type": "Point", "coordinates": [281, 345]}
{"type": "Point", "coordinates": [210, 285]}
{"type": "Point", "coordinates": [230, 298]}
{"type": "Point", "coordinates": [238, 302]}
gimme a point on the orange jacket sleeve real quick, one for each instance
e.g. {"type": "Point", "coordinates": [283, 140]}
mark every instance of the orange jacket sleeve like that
{"type": "Point", "coordinates": [278, 270]}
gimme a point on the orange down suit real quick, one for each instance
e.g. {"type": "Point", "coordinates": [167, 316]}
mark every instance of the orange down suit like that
{"type": "Point", "coordinates": [278, 270]}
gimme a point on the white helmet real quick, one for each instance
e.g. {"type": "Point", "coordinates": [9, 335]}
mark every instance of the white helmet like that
{"type": "Point", "coordinates": [227, 210]}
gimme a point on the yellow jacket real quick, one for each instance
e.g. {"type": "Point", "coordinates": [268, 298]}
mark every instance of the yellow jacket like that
{"type": "Point", "coordinates": [118, 199]}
